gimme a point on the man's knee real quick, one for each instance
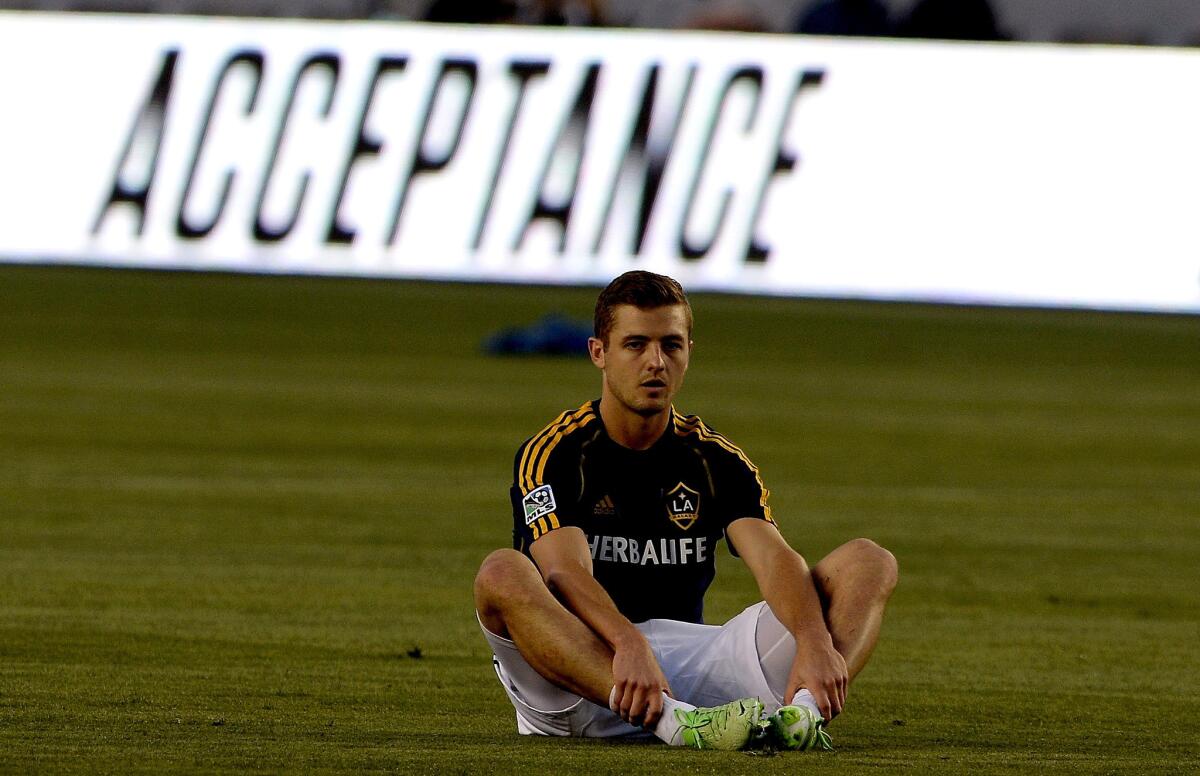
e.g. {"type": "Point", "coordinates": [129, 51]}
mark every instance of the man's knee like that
{"type": "Point", "coordinates": [870, 559]}
{"type": "Point", "coordinates": [858, 562]}
{"type": "Point", "coordinates": [503, 577]}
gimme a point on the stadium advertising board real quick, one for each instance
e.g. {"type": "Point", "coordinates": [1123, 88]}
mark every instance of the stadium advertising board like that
{"type": "Point", "coordinates": [763, 164]}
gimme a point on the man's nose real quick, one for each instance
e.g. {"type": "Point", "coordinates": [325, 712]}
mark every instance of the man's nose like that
{"type": "Point", "coordinates": [657, 358]}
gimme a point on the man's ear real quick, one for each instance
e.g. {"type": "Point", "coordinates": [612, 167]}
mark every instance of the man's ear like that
{"type": "Point", "coordinates": [596, 351]}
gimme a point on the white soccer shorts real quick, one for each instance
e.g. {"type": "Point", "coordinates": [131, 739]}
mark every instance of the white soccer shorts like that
{"type": "Point", "coordinates": [706, 665]}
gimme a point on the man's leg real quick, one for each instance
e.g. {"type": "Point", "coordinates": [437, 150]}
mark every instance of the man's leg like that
{"type": "Point", "coordinates": [854, 582]}
{"type": "Point", "coordinates": [514, 602]}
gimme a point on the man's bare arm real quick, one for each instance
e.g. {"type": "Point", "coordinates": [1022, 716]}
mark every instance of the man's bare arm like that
{"type": "Point", "coordinates": [563, 558]}
{"type": "Point", "coordinates": [787, 586]}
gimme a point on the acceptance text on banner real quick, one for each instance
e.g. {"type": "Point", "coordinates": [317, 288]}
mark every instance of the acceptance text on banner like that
{"type": "Point", "coordinates": [777, 165]}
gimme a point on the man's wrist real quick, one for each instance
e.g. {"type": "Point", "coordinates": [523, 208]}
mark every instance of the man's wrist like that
{"type": "Point", "coordinates": [628, 638]}
{"type": "Point", "coordinates": [813, 635]}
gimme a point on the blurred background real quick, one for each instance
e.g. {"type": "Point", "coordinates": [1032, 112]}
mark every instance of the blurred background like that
{"type": "Point", "coordinates": [1149, 22]}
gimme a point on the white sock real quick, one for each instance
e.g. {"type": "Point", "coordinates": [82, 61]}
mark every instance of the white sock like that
{"type": "Point", "coordinates": [668, 728]}
{"type": "Point", "coordinates": [804, 698]}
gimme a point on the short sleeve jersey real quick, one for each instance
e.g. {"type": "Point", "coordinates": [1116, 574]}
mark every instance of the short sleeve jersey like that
{"type": "Point", "coordinates": [652, 517]}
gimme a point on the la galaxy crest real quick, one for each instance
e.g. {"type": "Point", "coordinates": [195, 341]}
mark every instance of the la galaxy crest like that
{"type": "Point", "coordinates": [683, 506]}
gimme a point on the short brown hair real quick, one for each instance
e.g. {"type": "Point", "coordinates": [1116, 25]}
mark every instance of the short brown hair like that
{"type": "Point", "coordinates": [642, 289]}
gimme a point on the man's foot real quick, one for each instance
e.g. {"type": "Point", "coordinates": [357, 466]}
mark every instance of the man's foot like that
{"type": "Point", "coordinates": [725, 727]}
{"type": "Point", "coordinates": [797, 728]}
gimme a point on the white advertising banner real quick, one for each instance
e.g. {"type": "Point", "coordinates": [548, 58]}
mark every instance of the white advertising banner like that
{"type": "Point", "coordinates": [764, 164]}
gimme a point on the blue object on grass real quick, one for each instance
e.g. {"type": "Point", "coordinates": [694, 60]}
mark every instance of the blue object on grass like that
{"type": "Point", "coordinates": [554, 334]}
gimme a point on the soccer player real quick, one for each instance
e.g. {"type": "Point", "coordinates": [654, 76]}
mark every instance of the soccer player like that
{"type": "Point", "coordinates": [595, 617]}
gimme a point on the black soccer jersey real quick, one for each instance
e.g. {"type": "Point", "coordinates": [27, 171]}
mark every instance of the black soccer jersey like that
{"type": "Point", "coordinates": [652, 517]}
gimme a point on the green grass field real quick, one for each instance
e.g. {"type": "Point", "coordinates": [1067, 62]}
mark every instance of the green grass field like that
{"type": "Point", "coordinates": [240, 517]}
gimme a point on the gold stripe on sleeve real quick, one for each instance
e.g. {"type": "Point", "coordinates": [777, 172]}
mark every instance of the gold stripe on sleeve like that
{"type": "Point", "coordinates": [582, 421]}
{"type": "Point", "coordinates": [535, 446]}
{"type": "Point", "coordinates": [533, 441]}
{"type": "Point", "coordinates": [537, 462]}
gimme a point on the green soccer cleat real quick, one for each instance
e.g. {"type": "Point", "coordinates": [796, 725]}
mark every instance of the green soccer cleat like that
{"type": "Point", "coordinates": [797, 728]}
{"type": "Point", "coordinates": [725, 727]}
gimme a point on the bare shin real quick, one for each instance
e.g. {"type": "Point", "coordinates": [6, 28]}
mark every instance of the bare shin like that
{"type": "Point", "coordinates": [855, 582]}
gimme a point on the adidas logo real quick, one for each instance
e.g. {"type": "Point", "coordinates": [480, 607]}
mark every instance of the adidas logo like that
{"type": "Point", "coordinates": [604, 506]}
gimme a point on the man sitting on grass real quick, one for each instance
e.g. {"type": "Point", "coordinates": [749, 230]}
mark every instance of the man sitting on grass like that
{"type": "Point", "coordinates": [595, 617]}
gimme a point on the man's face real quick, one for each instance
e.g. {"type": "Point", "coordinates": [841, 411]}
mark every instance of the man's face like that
{"type": "Point", "coordinates": [646, 357]}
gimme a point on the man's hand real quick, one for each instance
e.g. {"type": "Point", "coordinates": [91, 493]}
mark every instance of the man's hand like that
{"type": "Point", "coordinates": [565, 561]}
{"type": "Point", "coordinates": [640, 683]}
{"type": "Point", "coordinates": [821, 670]}
{"type": "Point", "coordinates": [787, 587]}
